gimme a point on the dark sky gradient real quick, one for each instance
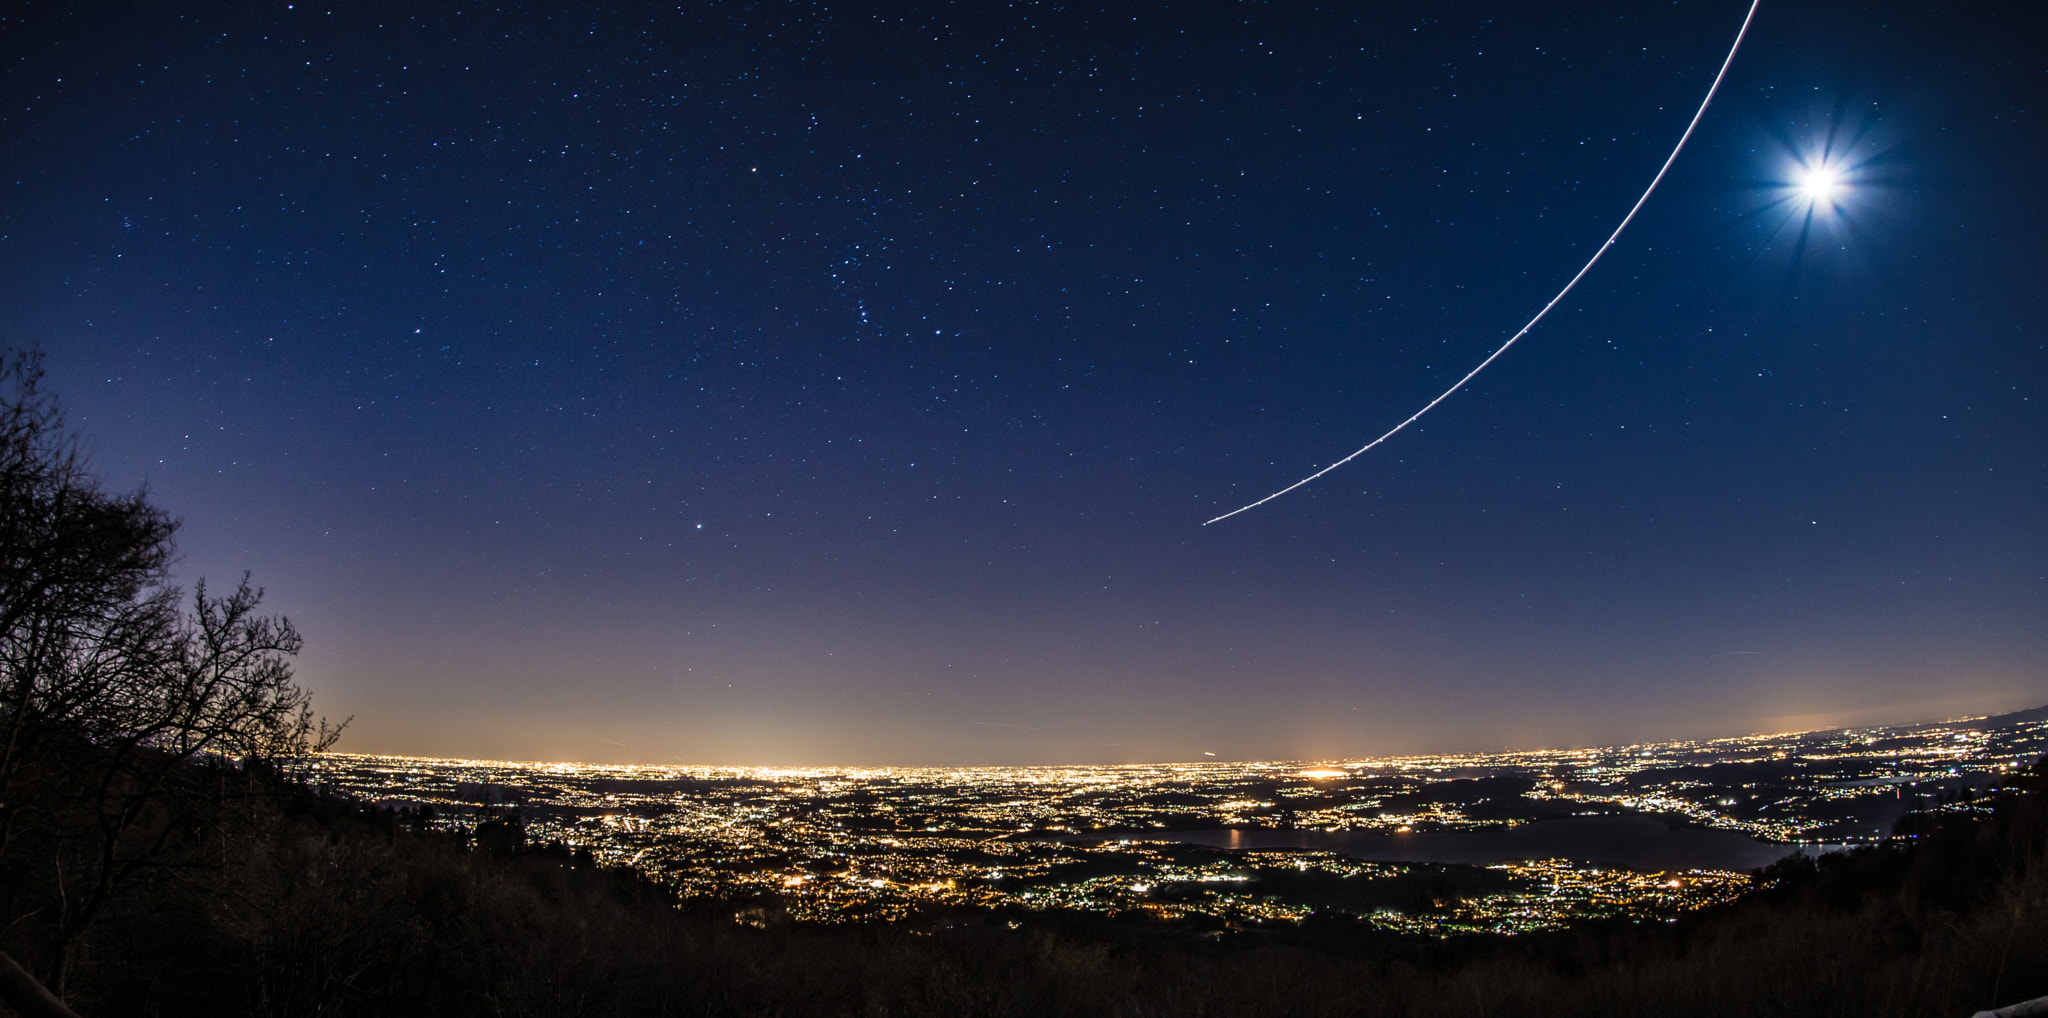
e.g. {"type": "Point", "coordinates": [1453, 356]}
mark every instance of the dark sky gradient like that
{"type": "Point", "coordinates": [803, 383]}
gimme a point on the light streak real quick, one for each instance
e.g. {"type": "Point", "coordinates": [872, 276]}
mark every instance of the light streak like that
{"type": "Point", "coordinates": [1588, 267]}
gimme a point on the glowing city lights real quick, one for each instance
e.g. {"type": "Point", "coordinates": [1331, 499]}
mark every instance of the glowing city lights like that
{"type": "Point", "coordinates": [1211, 842]}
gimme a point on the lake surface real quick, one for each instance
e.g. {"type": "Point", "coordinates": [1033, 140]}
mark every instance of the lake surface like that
{"type": "Point", "coordinates": [1637, 842]}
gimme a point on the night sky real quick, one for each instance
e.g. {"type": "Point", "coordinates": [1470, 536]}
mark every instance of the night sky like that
{"type": "Point", "coordinates": [805, 383]}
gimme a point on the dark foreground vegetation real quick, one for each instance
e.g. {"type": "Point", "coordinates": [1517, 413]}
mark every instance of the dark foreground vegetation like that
{"type": "Point", "coordinates": [159, 856]}
{"type": "Point", "coordinates": [319, 906]}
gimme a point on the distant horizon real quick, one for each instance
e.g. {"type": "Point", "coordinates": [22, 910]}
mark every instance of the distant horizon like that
{"type": "Point", "coordinates": [1374, 759]}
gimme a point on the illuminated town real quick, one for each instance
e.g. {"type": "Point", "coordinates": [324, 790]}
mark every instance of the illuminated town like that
{"type": "Point", "coordinates": [1498, 843]}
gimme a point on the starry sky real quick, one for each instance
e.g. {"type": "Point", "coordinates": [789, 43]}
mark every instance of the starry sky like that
{"type": "Point", "coordinates": [816, 383]}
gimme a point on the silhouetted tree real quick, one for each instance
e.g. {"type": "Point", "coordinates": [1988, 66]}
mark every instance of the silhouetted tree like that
{"type": "Point", "coordinates": [83, 597]}
{"type": "Point", "coordinates": [110, 694]}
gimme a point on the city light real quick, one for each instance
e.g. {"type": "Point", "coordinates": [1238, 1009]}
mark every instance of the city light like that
{"type": "Point", "coordinates": [1211, 842]}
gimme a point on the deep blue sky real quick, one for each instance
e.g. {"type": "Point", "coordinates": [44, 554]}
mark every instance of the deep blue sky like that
{"type": "Point", "coordinates": [804, 383]}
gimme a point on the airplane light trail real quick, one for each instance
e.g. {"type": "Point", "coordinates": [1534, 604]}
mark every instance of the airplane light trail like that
{"type": "Point", "coordinates": [1588, 267]}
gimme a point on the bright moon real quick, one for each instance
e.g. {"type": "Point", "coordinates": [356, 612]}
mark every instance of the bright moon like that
{"type": "Point", "coordinates": [1819, 185]}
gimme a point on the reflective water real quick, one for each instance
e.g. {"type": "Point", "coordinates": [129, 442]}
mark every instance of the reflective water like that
{"type": "Point", "coordinates": [1637, 842]}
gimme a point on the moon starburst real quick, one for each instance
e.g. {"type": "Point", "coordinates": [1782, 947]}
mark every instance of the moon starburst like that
{"type": "Point", "coordinates": [1820, 185]}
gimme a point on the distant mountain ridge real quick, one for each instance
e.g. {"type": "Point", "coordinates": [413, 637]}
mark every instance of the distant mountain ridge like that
{"type": "Point", "coordinates": [2010, 720]}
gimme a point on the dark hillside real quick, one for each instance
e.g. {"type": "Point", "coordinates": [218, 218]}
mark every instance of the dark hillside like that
{"type": "Point", "coordinates": [2018, 717]}
{"type": "Point", "coordinates": [331, 908]}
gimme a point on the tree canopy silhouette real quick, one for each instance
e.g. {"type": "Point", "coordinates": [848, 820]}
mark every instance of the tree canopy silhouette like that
{"type": "Point", "coordinates": [112, 690]}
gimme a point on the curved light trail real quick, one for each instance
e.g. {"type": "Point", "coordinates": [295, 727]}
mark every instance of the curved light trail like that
{"type": "Point", "coordinates": [1588, 267]}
